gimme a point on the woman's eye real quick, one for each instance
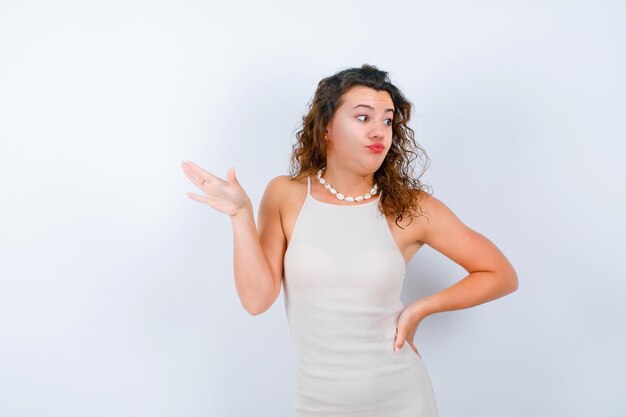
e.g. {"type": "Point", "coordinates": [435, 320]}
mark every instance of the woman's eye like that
{"type": "Point", "coordinates": [389, 124]}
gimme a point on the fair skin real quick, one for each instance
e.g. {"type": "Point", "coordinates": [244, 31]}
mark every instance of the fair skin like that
{"type": "Point", "coordinates": [350, 167]}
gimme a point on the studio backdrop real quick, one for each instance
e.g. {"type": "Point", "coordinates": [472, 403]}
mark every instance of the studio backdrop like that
{"type": "Point", "coordinates": [117, 293]}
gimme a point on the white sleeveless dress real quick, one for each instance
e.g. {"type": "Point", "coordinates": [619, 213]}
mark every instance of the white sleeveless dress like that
{"type": "Point", "coordinates": [343, 274]}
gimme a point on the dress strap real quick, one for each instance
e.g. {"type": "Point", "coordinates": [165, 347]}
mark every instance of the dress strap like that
{"type": "Point", "coordinates": [308, 188]}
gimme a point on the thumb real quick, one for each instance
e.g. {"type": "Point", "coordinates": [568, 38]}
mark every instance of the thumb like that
{"type": "Point", "coordinates": [231, 175]}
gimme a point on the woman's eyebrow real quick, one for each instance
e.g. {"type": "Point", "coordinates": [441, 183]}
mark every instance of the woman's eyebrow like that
{"type": "Point", "coordinates": [370, 107]}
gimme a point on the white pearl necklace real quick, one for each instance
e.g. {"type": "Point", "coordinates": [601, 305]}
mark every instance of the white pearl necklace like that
{"type": "Point", "coordinates": [342, 197]}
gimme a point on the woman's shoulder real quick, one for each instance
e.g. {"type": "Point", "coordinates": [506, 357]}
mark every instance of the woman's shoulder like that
{"type": "Point", "coordinates": [430, 204]}
{"type": "Point", "coordinates": [440, 218]}
{"type": "Point", "coordinates": [286, 183]}
{"type": "Point", "coordinates": [285, 190]}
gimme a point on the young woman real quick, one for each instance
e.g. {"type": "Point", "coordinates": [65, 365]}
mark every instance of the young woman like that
{"type": "Point", "coordinates": [338, 233]}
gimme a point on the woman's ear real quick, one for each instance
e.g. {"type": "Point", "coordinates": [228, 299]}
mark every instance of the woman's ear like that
{"type": "Point", "coordinates": [327, 132]}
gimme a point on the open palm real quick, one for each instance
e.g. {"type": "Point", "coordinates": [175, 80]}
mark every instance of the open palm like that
{"type": "Point", "coordinates": [226, 196]}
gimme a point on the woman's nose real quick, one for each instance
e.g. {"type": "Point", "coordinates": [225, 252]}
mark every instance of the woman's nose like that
{"type": "Point", "coordinates": [378, 131]}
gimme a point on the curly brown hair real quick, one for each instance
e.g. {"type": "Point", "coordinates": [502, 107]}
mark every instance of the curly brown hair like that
{"type": "Point", "coordinates": [402, 192]}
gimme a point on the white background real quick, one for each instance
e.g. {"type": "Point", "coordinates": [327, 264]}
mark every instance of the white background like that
{"type": "Point", "coordinates": [117, 293]}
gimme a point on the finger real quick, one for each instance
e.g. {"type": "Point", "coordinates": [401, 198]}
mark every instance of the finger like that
{"type": "Point", "coordinates": [230, 175]}
{"type": "Point", "coordinates": [200, 172]}
{"type": "Point", "coordinates": [398, 342]}
{"type": "Point", "coordinates": [196, 197]}
{"type": "Point", "coordinates": [196, 179]}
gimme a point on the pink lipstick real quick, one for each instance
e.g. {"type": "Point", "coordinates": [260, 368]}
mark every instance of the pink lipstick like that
{"type": "Point", "coordinates": [377, 147]}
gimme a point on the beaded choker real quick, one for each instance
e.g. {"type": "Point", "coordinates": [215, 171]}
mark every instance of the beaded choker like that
{"type": "Point", "coordinates": [342, 197]}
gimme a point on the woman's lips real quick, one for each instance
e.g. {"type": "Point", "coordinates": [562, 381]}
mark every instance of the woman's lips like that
{"type": "Point", "coordinates": [376, 148]}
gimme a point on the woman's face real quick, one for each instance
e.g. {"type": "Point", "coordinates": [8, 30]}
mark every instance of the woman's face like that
{"type": "Point", "coordinates": [364, 119]}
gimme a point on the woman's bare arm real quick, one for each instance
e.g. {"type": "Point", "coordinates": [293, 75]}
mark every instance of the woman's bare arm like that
{"type": "Point", "coordinates": [257, 281]}
{"type": "Point", "coordinates": [491, 275]}
{"type": "Point", "coordinates": [258, 257]}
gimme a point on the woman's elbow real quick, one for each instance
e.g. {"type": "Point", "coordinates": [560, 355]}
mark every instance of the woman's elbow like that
{"type": "Point", "coordinates": [512, 282]}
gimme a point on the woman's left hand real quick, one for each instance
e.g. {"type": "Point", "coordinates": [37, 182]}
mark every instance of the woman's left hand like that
{"type": "Point", "coordinates": [407, 324]}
